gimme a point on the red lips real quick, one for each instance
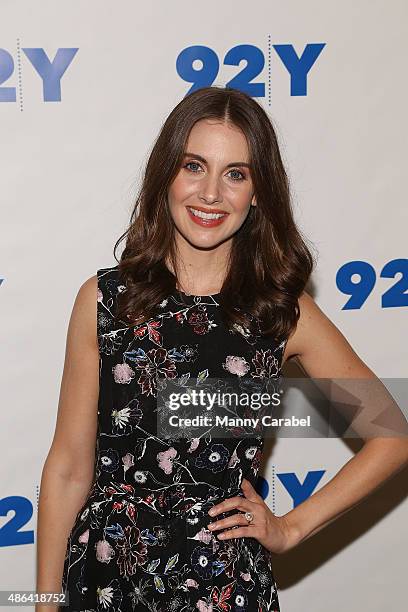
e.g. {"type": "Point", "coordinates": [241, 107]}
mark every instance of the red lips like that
{"type": "Point", "coordinates": [207, 222]}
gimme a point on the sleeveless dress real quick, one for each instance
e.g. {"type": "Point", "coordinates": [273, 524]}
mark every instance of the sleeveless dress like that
{"type": "Point", "coordinates": [140, 540]}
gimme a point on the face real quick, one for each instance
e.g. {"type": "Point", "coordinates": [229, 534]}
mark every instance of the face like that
{"type": "Point", "coordinates": [213, 192]}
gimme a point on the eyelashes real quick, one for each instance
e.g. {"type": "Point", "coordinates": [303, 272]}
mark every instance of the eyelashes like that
{"type": "Point", "coordinates": [237, 180]}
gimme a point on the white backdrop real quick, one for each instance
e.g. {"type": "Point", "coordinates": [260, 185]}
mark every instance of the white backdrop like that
{"type": "Point", "coordinates": [70, 167]}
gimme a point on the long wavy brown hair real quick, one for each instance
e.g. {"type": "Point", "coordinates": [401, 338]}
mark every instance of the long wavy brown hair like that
{"type": "Point", "coordinates": [269, 260]}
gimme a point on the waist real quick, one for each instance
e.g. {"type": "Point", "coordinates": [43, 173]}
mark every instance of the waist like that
{"type": "Point", "coordinates": [168, 499]}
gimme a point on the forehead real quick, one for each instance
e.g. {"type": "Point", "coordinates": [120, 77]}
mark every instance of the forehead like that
{"type": "Point", "coordinates": [215, 139]}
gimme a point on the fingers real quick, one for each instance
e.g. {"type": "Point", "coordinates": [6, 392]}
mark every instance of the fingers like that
{"type": "Point", "coordinates": [230, 521]}
{"type": "Point", "coordinates": [237, 526]}
{"type": "Point", "coordinates": [239, 532]}
{"type": "Point", "coordinates": [234, 504]}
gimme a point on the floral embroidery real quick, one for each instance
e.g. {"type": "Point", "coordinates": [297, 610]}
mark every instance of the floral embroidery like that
{"type": "Point", "coordinates": [214, 457]}
{"type": "Point", "coordinates": [236, 365]}
{"type": "Point", "coordinates": [165, 460]}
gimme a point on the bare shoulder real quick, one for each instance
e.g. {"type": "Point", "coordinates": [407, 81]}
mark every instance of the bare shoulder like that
{"type": "Point", "coordinates": [84, 311]}
{"type": "Point", "coordinates": [87, 292]}
{"type": "Point", "coordinates": [319, 346]}
{"type": "Point", "coordinates": [89, 286]}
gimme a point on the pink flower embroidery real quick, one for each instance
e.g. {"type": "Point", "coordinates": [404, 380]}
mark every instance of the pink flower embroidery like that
{"type": "Point", "coordinates": [165, 459]}
{"type": "Point", "coordinates": [104, 551]}
{"type": "Point", "coordinates": [193, 445]}
{"type": "Point", "coordinates": [100, 296]}
{"type": "Point", "coordinates": [202, 606]}
{"type": "Point", "coordinates": [122, 373]}
{"type": "Point", "coordinates": [234, 459]}
{"type": "Point", "coordinates": [236, 365]}
{"type": "Point", "coordinates": [83, 538]}
{"type": "Point", "coordinates": [128, 461]}
{"type": "Point", "coordinates": [204, 535]}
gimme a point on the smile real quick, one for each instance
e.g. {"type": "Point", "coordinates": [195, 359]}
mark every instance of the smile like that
{"type": "Point", "coordinates": [204, 215]}
{"type": "Point", "coordinates": [206, 219]}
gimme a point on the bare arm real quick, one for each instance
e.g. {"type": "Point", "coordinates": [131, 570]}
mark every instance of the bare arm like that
{"type": "Point", "coordinates": [324, 352]}
{"type": "Point", "coordinates": [68, 470]}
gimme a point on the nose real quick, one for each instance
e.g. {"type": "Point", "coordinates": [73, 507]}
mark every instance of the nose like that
{"type": "Point", "coordinates": [210, 189]}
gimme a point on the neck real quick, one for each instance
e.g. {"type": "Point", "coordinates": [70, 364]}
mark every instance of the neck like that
{"type": "Point", "coordinates": [200, 271]}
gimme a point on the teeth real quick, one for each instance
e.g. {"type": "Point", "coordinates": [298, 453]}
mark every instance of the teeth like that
{"type": "Point", "coordinates": [203, 215]}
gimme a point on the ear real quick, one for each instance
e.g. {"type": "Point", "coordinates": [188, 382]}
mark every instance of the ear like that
{"type": "Point", "coordinates": [253, 203]}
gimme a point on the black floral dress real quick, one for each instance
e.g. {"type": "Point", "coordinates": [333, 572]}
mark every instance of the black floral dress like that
{"type": "Point", "coordinates": [140, 541]}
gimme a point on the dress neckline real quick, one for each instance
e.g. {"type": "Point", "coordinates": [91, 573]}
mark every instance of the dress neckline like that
{"type": "Point", "coordinates": [192, 296]}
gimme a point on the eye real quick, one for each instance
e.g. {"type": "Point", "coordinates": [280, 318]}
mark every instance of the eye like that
{"type": "Point", "coordinates": [239, 172]}
{"type": "Point", "coordinates": [191, 163]}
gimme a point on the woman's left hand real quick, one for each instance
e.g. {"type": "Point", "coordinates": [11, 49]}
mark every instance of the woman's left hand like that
{"type": "Point", "coordinates": [273, 532]}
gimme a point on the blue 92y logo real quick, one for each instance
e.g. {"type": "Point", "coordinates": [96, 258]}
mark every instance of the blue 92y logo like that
{"type": "Point", "coordinates": [10, 534]}
{"type": "Point", "coordinates": [298, 491]}
{"type": "Point", "coordinates": [395, 296]}
{"type": "Point", "coordinates": [49, 71]}
{"type": "Point", "coordinates": [205, 75]}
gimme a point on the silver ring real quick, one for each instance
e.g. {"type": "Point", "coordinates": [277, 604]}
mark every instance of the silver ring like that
{"type": "Point", "coordinates": [249, 517]}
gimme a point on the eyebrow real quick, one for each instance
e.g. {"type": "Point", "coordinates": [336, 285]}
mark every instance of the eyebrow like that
{"type": "Point", "coordinates": [228, 165]}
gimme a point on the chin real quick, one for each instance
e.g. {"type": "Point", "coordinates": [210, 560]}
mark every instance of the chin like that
{"type": "Point", "coordinates": [206, 243]}
{"type": "Point", "coordinates": [203, 238]}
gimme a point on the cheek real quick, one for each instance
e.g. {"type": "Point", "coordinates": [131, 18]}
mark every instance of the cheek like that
{"type": "Point", "coordinates": [241, 203]}
{"type": "Point", "coordinates": [179, 190]}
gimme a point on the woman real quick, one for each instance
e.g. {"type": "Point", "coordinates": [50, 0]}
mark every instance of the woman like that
{"type": "Point", "coordinates": [211, 284]}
